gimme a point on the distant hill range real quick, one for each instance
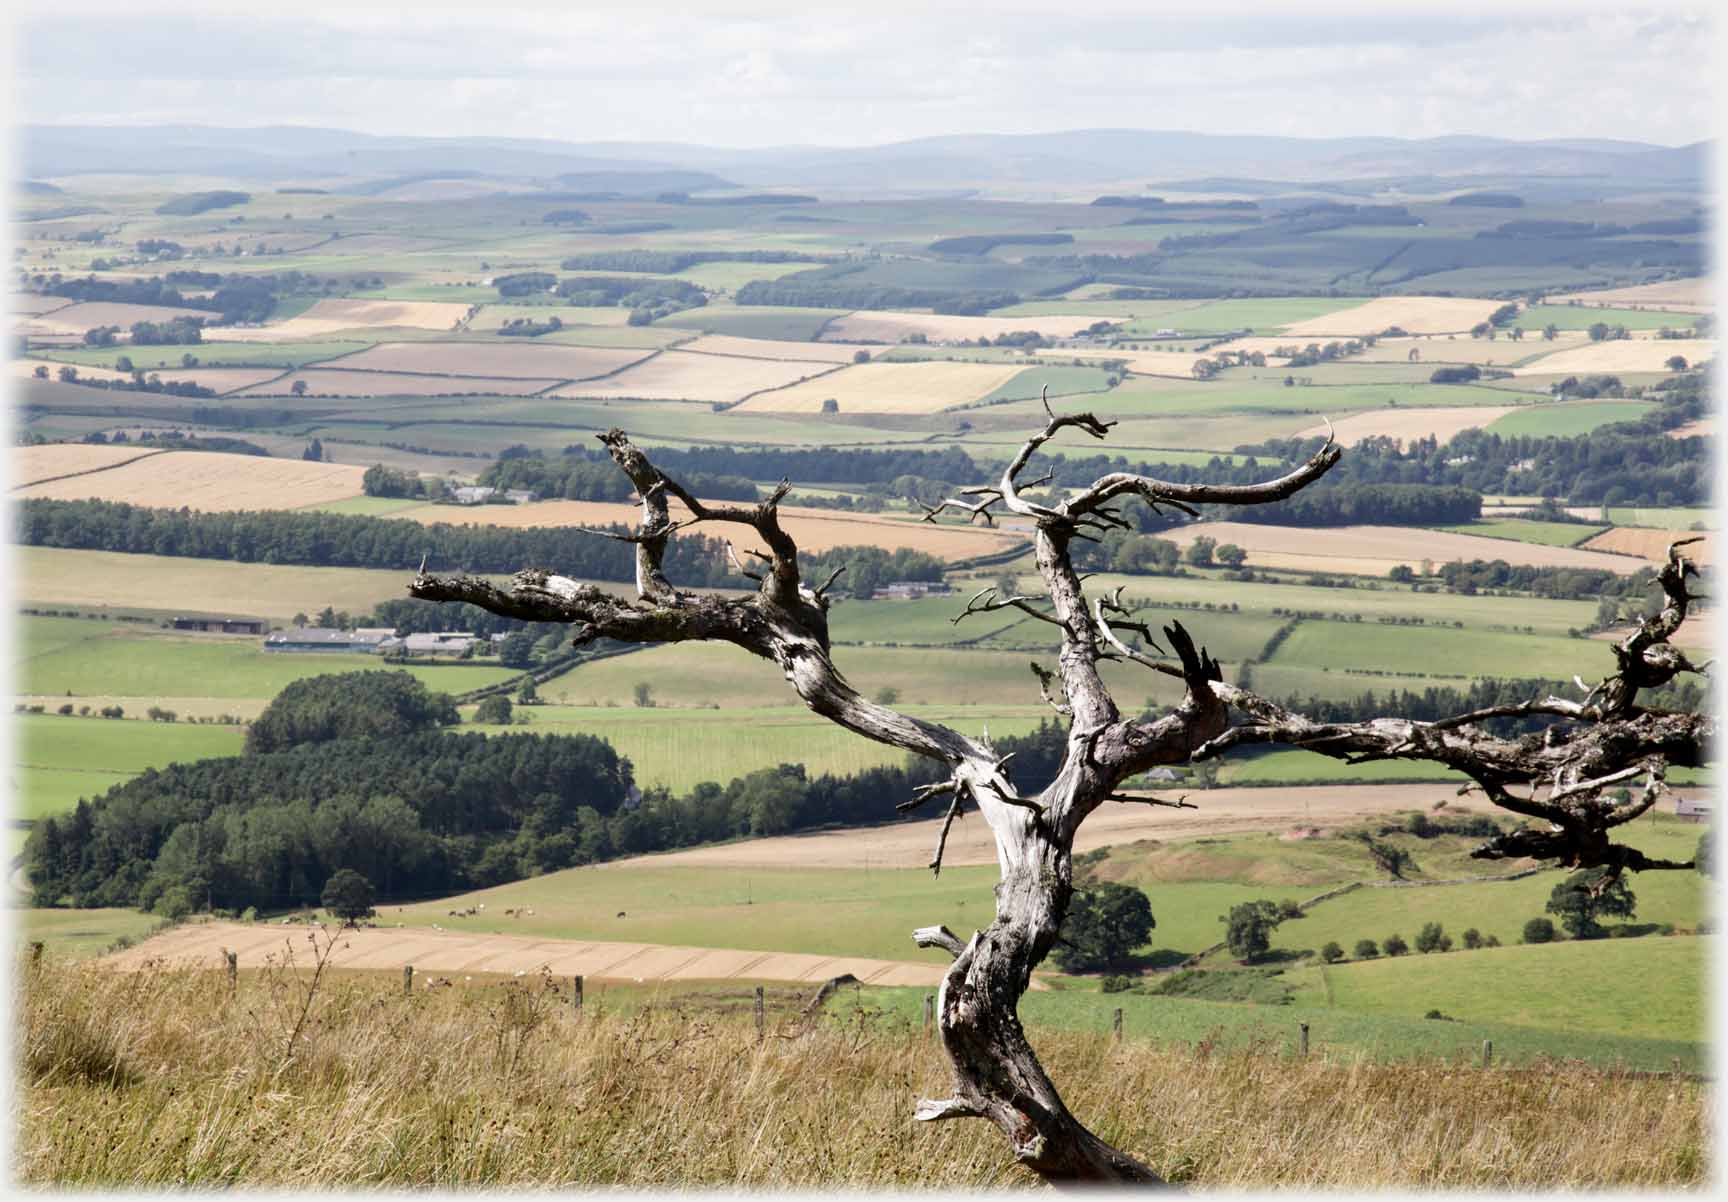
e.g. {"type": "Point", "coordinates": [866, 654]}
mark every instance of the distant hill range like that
{"type": "Point", "coordinates": [1074, 159]}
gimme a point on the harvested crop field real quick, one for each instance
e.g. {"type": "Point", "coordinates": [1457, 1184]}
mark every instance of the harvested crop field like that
{"type": "Point", "coordinates": [888, 326]}
{"type": "Point", "coordinates": [1413, 314]}
{"type": "Point", "coordinates": [929, 386]}
{"type": "Point", "coordinates": [208, 481]}
{"type": "Point", "coordinates": [1621, 355]}
{"type": "Point", "coordinates": [329, 316]}
{"type": "Point", "coordinates": [32, 304]}
{"type": "Point", "coordinates": [75, 319]}
{"type": "Point", "coordinates": [1408, 424]}
{"type": "Point", "coordinates": [332, 381]}
{"type": "Point", "coordinates": [223, 380]}
{"type": "Point", "coordinates": [1374, 550]}
{"type": "Point", "coordinates": [678, 376]}
{"type": "Point", "coordinates": [24, 369]}
{"type": "Point", "coordinates": [524, 360]}
{"type": "Point", "coordinates": [811, 529]}
{"type": "Point", "coordinates": [1650, 544]}
{"type": "Point", "coordinates": [1695, 295]}
{"type": "Point", "coordinates": [772, 348]}
{"type": "Point", "coordinates": [37, 465]}
{"type": "Point", "coordinates": [431, 952]}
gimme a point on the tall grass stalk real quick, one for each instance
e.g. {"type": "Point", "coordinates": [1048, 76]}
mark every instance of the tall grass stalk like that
{"type": "Point", "coordinates": [160, 1078]}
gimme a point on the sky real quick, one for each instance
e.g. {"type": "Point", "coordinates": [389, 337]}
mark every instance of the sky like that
{"type": "Point", "coordinates": [848, 74]}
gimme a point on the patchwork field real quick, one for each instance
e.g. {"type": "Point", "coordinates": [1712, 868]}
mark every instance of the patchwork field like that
{"type": "Point", "coordinates": [812, 529]}
{"type": "Point", "coordinates": [330, 381]}
{"type": "Point", "coordinates": [92, 580]}
{"type": "Point", "coordinates": [1693, 295]}
{"type": "Point", "coordinates": [327, 317]}
{"type": "Point", "coordinates": [1651, 545]}
{"type": "Point", "coordinates": [770, 348]}
{"type": "Point", "coordinates": [890, 327]}
{"type": "Point", "coordinates": [88, 315]}
{"type": "Point", "coordinates": [37, 465]}
{"type": "Point", "coordinates": [507, 358]}
{"type": "Point", "coordinates": [927, 387]}
{"type": "Point", "coordinates": [1408, 425]}
{"type": "Point", "coordinates": [1374, 550]}
{"type": "Point", "coordinates": [1621, 355]}
{"type": "Point", "coordinates": [204, 480]}
{"type": "Point", "coordinates": [1414, 314]}
{"type": "Point", "coordinates": [681, 376]}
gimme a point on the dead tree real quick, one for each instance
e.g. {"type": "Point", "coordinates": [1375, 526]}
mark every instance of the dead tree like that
{"type": "Point", "coordinates": [996, 1074]}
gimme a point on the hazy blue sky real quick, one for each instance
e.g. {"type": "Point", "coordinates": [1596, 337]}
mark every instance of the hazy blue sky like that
{"type": "Point", "coordinates": [861, 72]}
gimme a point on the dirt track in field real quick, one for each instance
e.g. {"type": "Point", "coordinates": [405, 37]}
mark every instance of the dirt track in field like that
{"type": "Point", "coordinates": [446, 953]}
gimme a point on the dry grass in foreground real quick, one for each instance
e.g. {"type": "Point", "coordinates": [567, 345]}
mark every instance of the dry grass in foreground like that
{"type": "Point", "coordinates": [160, 1078]}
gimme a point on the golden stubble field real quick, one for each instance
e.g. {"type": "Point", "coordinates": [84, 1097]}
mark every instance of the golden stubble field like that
{"type": "Point", "coordinates": [1694, 295]}
{"type": "Point", "coordinates": [1374, 550]}
{"type": "Point", "coordinates": [1652, 545]}
{"type": "Point", "coordinates": [1413, 314]}
{"type": "Point", "coordinates": [1621, 355]}
{"type": "Point", "coordinates": [328, 316]}
{"type": "Point", "coordinates": [888, 326]}
{"type": "Point", "coordinates": [203, 480]}
{"type": "Point", "coordinates": [331, 381]}
{"type": "Point", "coordinates": [928, 386]}
{"type": "Point", "coordinates": [682, 376]}
{"type": "Point", "coordinates": [35, 465]}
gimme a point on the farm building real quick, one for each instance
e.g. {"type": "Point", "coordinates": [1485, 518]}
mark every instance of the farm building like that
{"type": "Point", "coordinates": [1692, 809]}
{"type": "Point", "coordinates": [301, 638]}
{"type": "Point", "coordinates": [477, 494]}
{"type": "Point", "coordinates": [447, 642]}
{"type": "Point", "coordinates": [906, 590]}
{"type": "Point", "coordinates": [223, 625]}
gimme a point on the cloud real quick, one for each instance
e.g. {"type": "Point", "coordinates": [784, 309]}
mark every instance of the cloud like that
{"type": "Point", "coordinates": [755, 74]}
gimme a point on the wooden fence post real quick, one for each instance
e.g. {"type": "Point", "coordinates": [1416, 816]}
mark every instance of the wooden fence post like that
{"type": "Point", "coordinates": [1302, 1032]}
{"type": "Point", "coordinates": [761, 1018]}
{"type": "Point", "coordinates": [1487, 1052]}
{"type": "Point", "coordinates": [929, 1014]}
{"type": "Point", "coordinates": [233, 959]}
{"type": "Point", "coordinates": [407, 980]}
{"type": "Point", "coordinates": [1116, 1024]}
{"type": "Point", "coordinates": [576, 994]}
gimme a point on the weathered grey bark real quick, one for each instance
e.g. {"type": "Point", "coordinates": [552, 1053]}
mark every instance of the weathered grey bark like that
{"type": "Point", "coordinates": [996, 1073]}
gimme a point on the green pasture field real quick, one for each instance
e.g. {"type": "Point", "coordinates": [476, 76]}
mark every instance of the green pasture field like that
{"type": "Point", "coordinates": [1568, 419]}
{"type": "Point", "coordinates": [81, 933]}
{"type": "Point", "coordinates": [61, 759]}
{"type": "Point", "coordinates": [1225, 395]}
{"type": "Point", "coordinates": [77, 657]}
{"type": "Point", "coordinates": [1499, 908]}
{"type": "Point", "coordinates": [926, 621]}
{"type": "Point", "coordinates": [1230, 637]}
{"type": "Point", "coordinates": [1061, 381]}
{"type": "Point", "coordinates": [92, 580]}
{"type": "Point", "coordinates": [837, 911]}
{"type": "Point", "coordinates": [1101, 310]}
{"type": "Point", "coordinates": [1309, 767]}
{"type": "Point", "coordinates": [208, 354]}
{"type": "Point", "coordinates": [754, 321]}
{"type": "Point", "coordinates": [1545, 615]}
{"type": "Point", "coordinates": [1547, 534]}
{"type": "Point", "coordinates": [1578, 317]}
{"type": "Point", "coordinates": [1377, 1038]}
{"type": "Point", "coordinates": [705, 674]}
{"type": "Point", "coordinates": [1418, 649]}
{"type": "Point", "coordinates": [1283, 680]}
{"type": "Point", "coordinates": [679, 748]}
{"type": "Point", "coordinates": [1672, 518]}
{"type": "Point", "coordinates": [1652, 987]}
